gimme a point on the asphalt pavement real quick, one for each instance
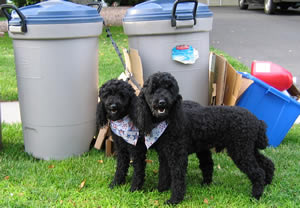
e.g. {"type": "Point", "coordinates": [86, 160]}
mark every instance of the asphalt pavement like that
{"type": "Point", "coordinates": [251, 35]}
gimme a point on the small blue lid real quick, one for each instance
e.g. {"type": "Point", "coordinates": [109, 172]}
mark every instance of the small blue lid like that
{"type": "Point", "coordinates": [57, 12]}
{"type": "Point", "coordinates": [162, 10]}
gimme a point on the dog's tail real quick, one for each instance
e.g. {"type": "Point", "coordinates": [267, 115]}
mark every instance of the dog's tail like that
{"type": "Point", "coordinates": [262, 140]}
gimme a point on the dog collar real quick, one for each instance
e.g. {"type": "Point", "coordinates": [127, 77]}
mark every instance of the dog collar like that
{"type": "Point", "coordinates": [125, 128]}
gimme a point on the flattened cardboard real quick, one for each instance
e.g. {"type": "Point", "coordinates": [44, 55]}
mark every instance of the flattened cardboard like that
{"type": "Point", "coordinates": [103, 132]}
{"type": "Point", "coordinates": [109, 151]}
{"type": "Point", "coordinates": [220, 71]}
{"type": "Point", "coordinates": [134, 65]}
{"type": "Point", "coordinates": [211, 78]}
{"type": "Point", "coordinates": [233, 85]}
{"type": "Point", "coordinates": [226, 85]}
{"type": "Point", "coordinates": [244, 86]}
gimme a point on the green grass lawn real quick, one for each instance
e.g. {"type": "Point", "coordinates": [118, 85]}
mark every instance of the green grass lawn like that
{"type": "Point", "coordinates": [109, 64]}
{"type": "Point", "coordinates": [83, 181]}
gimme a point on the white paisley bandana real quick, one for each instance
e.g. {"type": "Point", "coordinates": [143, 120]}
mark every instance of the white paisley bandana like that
{"type": "Point", "coordinates": [155, 134]}
{"type": "Point", "coordinates": [124, 128]}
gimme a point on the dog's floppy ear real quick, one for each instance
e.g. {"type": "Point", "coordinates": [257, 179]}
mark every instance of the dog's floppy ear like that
{"type": "Point", "coordinates": [144, 115]}
{"type": "Point", "coordinates": [101, 115]}
{"type": "Point", "coordinates": [176, 113]}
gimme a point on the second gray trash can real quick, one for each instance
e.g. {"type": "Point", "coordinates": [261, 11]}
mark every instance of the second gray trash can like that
{"type": "Point", "coordinates": [158, 27]}
{"type": "Point", "coordinates": [56, 56]}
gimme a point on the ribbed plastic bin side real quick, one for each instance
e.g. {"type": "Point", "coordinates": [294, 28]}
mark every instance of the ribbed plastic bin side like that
{"type": "Point", "coordinates": [278, 110]}
{"type": "Point", "coordinates": [150, 31]}
{"type": "Point", "coordinates": [56, 58]}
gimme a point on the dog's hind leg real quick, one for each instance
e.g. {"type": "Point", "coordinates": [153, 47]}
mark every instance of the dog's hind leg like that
{"type": "Point", "coordinates": [139, 165]}
{"type": "Point", "coordinates": [206, 165]}
{"type": "Point", "coordinates": [123, 161]}
{"type": "Point", "coordinates": [246, 162]}
{"type": "Point", "coordinates": [266, 164]}
{"type": "Point", "coordinates": [164, 178]}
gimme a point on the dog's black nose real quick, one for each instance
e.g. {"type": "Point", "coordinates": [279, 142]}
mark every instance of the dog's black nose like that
{"type": "Point", "coordinates": [162, 103]}
{"type": "Point", "coordinates": [113, 107]}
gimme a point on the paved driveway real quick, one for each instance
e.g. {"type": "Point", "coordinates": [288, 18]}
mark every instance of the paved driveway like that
{"type": "Point", "coordinates": [251, 35]}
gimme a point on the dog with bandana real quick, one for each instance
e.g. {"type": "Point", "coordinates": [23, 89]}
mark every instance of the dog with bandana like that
{"type": "Point", "coordinates": [117, 108]}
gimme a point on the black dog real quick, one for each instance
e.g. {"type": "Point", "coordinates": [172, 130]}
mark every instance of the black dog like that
{"type": "Point", "coordinates": [117, 104]}
{"type": "Point", "coordinates": [196, 129]}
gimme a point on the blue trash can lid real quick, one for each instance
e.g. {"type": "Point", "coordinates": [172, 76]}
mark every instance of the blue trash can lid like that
{"type": "Point", "coordinates": [162, 10]}
{"type": "Point", "coordinates": [57, 12]}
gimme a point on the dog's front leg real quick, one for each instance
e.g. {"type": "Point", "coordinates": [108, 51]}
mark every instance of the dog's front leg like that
{"type": "Point", "coordinates": [177, 159]}
{"type": "Point", "coordinates": [164, 178]}
{"type": "Point", "coordinates": [123, 161]}
{"type": "Point", "coordinates": [139, 165]}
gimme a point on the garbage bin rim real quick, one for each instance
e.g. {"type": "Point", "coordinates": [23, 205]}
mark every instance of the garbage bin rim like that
{"type": "Point", "coordinates": [57, 12]}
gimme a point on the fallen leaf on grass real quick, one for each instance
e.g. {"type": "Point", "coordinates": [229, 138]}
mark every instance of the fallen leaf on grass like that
{"type": "Point", "coordinates": [82, 184]}
{"type": "Point", "coordinates": [6, 177]}
{"type": "Point", "coordinates": [149, 161]}
{"type": "Point", "coordinates": [51, 166]}
{"type": "Point", "coordinates": [100, 161]}
{"type": "Point", "coordinates": [205, 201]}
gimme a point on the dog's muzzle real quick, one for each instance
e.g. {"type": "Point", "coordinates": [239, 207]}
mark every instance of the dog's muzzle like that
{"type": "Point", "coordinates": [162, 104]}
{"type": "Point", "coordinates": [113, 108]}
{"type": "Point", "coordinates": [160, 108]}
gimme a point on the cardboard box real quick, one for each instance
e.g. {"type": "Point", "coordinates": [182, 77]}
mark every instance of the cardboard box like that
{"type": "Point", "coordinates": [226, 85]}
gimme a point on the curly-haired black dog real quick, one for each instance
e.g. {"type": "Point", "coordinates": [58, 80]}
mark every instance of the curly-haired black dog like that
{"type": "Point", "coordinates": [196, 129]}
{"type": "Point", "coordinates": [117, 104]}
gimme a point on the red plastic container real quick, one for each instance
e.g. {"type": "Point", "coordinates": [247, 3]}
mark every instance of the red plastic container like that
{"type": "Point", "coordinates": [272, 74]}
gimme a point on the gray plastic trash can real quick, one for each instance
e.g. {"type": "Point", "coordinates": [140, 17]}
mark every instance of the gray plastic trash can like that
{"type": "Point", "coordinates": [56, 56]}
{"type": "Point", "coordinates": [157, 27]}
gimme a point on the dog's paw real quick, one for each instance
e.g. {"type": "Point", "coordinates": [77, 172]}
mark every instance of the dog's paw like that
{"type": "Point", "coordinates": [172, 202]}
{"type": "Point", "coordinates": [257, 196]}
{"type": "Point", "coordinates": [206, 182]}
{"type": "Point", "coordinates": [163, 189]}
{"type": "Point", "coordinates": [112, 185]}
{"type": "Point", "coordinates": [135, 188]}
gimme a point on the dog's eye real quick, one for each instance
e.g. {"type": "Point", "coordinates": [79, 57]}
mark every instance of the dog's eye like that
{"type": "Point", "coordinates": [123, 96]}
{"type": "Point", "coordinates": [103, 95]}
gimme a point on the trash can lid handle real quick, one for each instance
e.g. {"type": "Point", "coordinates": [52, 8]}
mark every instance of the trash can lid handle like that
{"type": "Point", "coordinates": [173, 19]}
{"type": "Point", "coordinates": [5, 7]}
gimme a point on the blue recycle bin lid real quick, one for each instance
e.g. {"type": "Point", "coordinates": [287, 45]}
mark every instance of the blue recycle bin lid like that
{"type": "Point", "coordinates": [162, 10]}
{"type": "Point", "coordinates": [56, 12]}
